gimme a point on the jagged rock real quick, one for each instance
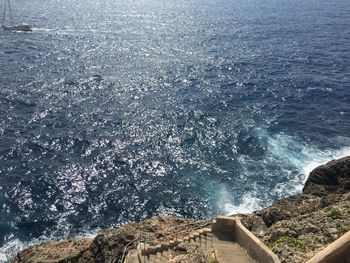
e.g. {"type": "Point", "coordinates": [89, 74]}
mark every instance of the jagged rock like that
{"type": "Point", "coordinates": [311, 228]}
{"type": "Point", "coordinates": [258, 225]}
{"type": "Point", "coordinates": [299, 238]}
{"type": "Point", "coordinates": [299, 226]}
{"type": "Point", "coordinates": [109, 245]}
{"type": "Point", "coordinates": [280, 232]}
{"type": "Point", "coordinates": [285, 209]}
{"type": "Point", "coordinates": [296, 227]}
{"type": "Point", "coordinates": [333, 177]}
{"type": "Point", "coordinates": [324, 187]}
{"type": "Point", "coordinates": [63, 252]}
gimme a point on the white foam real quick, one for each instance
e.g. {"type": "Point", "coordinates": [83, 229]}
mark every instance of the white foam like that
{"type": "Point", "coordinates": [248, 203]}
{"type": "Point", "coordinates": [295, 161]}
{"type": "Point", "coordinates": [10, 249]}
{"type": "Point", "coordinates": [304, 158]}
{"type": "Point", "coordinates": [322, 157]}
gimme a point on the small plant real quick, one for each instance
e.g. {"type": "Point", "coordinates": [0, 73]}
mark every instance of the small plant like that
{"type": "Point", "coordinates": [290, 241]}
{"type": "Point", "coordinates": [212, 259]}
{"type": "Point", "coordinates": [342, 229]}
{"type": "Point", "coordinates": [335, 214]}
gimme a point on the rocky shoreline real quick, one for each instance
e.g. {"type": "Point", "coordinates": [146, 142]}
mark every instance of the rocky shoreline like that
{"type": "Point", "coordinates": [299, 226]}
{"type": "Point", "coordinates": [295, 228]}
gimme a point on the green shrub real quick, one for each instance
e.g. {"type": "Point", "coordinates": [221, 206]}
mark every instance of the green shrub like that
{"type": "Point", "coordinates": [290, 241]}
{"type": "Point", "coordinates": [335, 214]}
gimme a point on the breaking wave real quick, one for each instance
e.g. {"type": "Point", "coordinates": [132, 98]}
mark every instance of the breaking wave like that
{"type": "Point", "coordinates": [285, 166]}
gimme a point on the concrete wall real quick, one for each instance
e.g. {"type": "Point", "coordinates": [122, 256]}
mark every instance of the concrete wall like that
{"type": "Point", "coordinates": [337, 252]}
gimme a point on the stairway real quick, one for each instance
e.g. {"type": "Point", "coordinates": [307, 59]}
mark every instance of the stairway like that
{"type": "Point", "coordinates": [201, 238]}
{"type": "Point", "coordinates": [226, 250]}
{"type": "Point", "coordinates": [227, 240]}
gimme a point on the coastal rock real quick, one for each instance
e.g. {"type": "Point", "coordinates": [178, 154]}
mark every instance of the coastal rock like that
{"type": "Point", "coordinates": [109, 245]}
{"type": "Point", "coordinates": [284, 209]}
{"type": "Point", "coordinates": [295, 228]}
{"type": "Point", "coordinates": [299, 226]}
{"type": "Point", "coordinates": [258, 225]}
{"type": "Point", "coordinates": [302, 236]}
{"type": "Point", "coordinates": [333, 177]}
{"type": "Point", "coordinates": [324, 187]}
{"type": "Point", "coordinates": [63, 252]}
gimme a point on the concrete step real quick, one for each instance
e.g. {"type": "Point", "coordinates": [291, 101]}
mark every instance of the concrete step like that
{"type": "Point", "coordinates": [209, 241]}
{"type": "Point", "coordinates": [202, 242]}
{"type": "Point", "coordinates": [160, 253]}
{"type": "Point", "coordinates": [132, 257]}
{"type": "Point", "coordinates": [144, 259]}
{"type": "Point", "coordinates": [152, 258]}
{"type": "Point", "coordinates": [221, 241]}
{"type": "Point", "coordinates": [165, 256]}
{"type": "Point", "coordinates": [230, 252]}
{"type": "Point", "coordinates": [159, 257]}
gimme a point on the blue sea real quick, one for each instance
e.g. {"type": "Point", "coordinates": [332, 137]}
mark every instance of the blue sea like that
{"type": "Point", "coordinates": [114, 111]}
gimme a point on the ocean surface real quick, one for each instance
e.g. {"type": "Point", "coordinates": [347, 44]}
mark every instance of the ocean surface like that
{"type": "Point", "coordinates": [116, 111]}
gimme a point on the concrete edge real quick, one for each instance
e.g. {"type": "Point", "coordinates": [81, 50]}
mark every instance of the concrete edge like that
{"type": "Point", "coordinates": [258, 242]}
{"type": "Point", "coordinates": [335, 252]}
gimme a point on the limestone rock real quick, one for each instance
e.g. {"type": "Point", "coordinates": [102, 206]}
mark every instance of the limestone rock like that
{"type": "Point", "coordinates": [333, 177]}
{"type": "Point", "coordinates": [109, 245]}
{"type": "Point", "coordinates": [296, 228]}
{"type": "Point", "coordinates": [63, 252]}
{"type": "Point", "coordinates": [307, 234]}
{"type": "Point", "coordinates": [288, 208]}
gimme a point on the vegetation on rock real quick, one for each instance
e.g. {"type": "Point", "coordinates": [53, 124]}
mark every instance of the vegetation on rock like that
{"type": "Point", "coordinates": [335, 214]}
{"type": "Point", "coordinates": [290, 241]}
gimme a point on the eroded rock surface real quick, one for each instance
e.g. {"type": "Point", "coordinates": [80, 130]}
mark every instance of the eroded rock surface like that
{"type": "Point", "coordinates": [66, 251]}
{"type": "Point", "coordinates": [295, 228]}
{"type": "Point", "coordinates": [109, 245]}
{"type": "Point", "coordinates": [298, 227]}
{"type": "Point", "coordinates": [333, 177]}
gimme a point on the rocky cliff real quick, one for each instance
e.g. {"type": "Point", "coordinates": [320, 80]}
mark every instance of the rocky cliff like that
{"type": "Point", "coordinates": [110, 245]}
{"type": "Point", "coordinates": [295, 228]}
{"type": "Point", "coordinates": [298, 227]}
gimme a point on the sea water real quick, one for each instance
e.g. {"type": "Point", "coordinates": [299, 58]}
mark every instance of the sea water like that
{"type": "Point", "coordinates": [116, 111]}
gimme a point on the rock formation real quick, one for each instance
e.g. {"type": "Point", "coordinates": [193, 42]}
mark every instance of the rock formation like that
{"type": "Point", "coordinates": [109, 245]}
{"type": "Point", "coordinates": [299, 226]}
{"type": "Point", "coordinates": [333, 177]}
{"type": "Point", "coordinates": [295, 228]}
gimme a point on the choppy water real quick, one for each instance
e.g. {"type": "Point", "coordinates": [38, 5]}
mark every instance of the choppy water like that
{"type": "Point", "coordinates": [114, 111]}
